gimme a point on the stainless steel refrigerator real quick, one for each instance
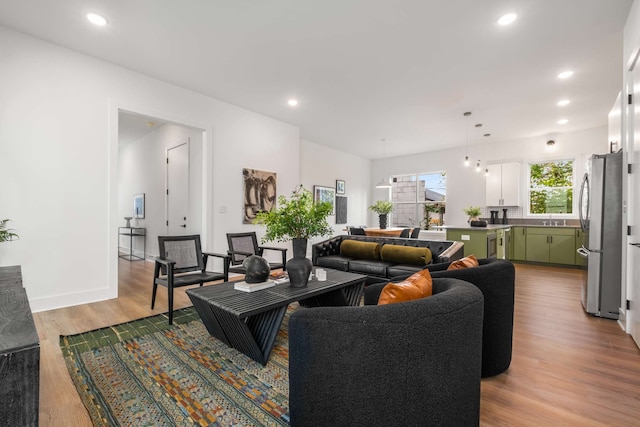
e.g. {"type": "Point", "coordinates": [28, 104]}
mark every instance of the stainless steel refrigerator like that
{"type": "Point", "coordinates": [600, 208]}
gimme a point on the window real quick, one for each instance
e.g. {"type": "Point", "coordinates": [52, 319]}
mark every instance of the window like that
{"type": "Point", "coordinates": [551, 187]}
{"type": "Point", "coordinates": [410, 194]}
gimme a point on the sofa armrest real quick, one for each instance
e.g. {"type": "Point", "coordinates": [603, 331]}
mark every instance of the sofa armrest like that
{"type": "Point", "coordinates": [452, 253]}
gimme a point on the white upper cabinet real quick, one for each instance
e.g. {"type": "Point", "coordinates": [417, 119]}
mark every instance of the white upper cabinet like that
{"type": "Point", "coordinates": [503, 185]}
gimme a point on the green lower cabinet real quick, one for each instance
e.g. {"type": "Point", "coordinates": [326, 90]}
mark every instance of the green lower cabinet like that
{"type": "Point", "coordinates": [500, 244]}
{"type": "Point", "coordinates": [580, 260]}
{"type": "Point", "coordinates": [537, 247]}
{"type": "Point", "coordinates": [518, 244]}
{"type": "Point", "coordinates": [475, 241]}
{"type": "Point", "coordinates": [556, 246]}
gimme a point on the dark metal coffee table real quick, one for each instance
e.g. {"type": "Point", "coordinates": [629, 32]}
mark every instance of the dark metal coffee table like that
{"type": "Point", "coordinates": [249, 321]}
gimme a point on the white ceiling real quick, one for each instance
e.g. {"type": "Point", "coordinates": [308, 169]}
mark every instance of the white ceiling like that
{"type": "Point", "coordinates": [363, 70]}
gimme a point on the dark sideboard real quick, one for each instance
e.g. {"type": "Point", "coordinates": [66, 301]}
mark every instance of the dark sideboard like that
{"type": "Point", "coordinates": [19, 353]}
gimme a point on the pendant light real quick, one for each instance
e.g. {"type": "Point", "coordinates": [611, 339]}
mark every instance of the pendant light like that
{"type": "Point", "coordinates": [466, 158]}
{"type": "Point", "coordinates": [384, 183]}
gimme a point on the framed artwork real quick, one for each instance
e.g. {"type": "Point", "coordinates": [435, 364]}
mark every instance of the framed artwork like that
{"type": "Point", "coordinates": [259, 193]}
{"type": "Point", "coordinates": [325, 194]}
{"type": "Point", "coordinates": [138, 205]}
{"type": "Point", "coordinates": [341, 209]}
{"type": "Point", "coordinates": [339, 186]}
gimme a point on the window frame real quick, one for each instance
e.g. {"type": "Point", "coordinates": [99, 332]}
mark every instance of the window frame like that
{"type": "Point", "coordinates": [574, 203]}
{"type": "Point", "coordinates": [416, 202]}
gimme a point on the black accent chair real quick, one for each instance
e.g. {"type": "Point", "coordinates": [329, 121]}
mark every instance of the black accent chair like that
{"type": "Point", "coordinates": [415, 233]}
{"type": "Point", "coordinates": [357, 231]}
{"type": "Point", "coordinates": [243, 245]}
{"type": "Point", "coordinates": [183, 263]}
{"type": "Point", "coordinates": [405, 233]}
{"type": "Point", "coordinates": [496, 279]}
{"type": "Point", "coordinates": [414, 363]}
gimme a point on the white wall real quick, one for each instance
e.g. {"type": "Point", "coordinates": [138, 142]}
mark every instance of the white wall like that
{"type": "Point", "coordinates": [466, 187]}
{"type": "Point", "coordinates": [59, 145]}
{"type": "Point", "coordinates": [322, 165]}
{"type": "Point", "coordinates": [142, 169]}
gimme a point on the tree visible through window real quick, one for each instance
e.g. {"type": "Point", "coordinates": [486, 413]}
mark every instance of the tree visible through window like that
{"type": "Point", "coordinates": [410, 193]}
{"type": "Point", "coordinates": [551, 187]}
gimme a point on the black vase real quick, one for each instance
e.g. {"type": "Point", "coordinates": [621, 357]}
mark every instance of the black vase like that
{"type": "Point", "coordinates": [383, 221]}
{"type": "Point", "coordinates": [299, 267]}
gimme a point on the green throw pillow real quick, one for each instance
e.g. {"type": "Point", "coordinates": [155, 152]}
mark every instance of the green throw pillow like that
{"type": "Point", "coordinates": [360, 250]}
{"type": "Point", "coordinates": [405, 255]}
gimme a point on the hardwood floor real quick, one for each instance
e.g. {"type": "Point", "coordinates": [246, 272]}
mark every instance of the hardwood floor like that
{"type": "Point", "coordinates": [568, 368]}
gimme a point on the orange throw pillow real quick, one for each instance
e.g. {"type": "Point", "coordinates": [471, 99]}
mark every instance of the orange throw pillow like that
{"type": "Point", "coordinates": [418, 285]}
{"type": "Point", "coordinates": [466, 262]}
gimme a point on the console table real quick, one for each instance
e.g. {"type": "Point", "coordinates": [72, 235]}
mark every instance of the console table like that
{"type": "Point", "coordinates": [19, 353]}
{"type": "Point", "coordinates": [138, 233]}
{"type": "Point", "coordinates": [249, 322]}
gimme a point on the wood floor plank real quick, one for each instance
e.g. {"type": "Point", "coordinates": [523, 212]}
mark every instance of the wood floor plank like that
{"type": "Point", "coordinates": [568, 368]}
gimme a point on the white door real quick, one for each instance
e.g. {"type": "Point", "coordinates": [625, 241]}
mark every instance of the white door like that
{"type": "Point", "coordinates": [177, 194]}
{"type": "Point", "coordinates": [633, 217]}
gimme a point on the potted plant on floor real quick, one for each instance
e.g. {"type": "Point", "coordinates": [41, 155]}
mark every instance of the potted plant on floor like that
{"type": "Point", "coordinates": [383, 208]}
{"type": "Point", "coordinates": [297, 219]}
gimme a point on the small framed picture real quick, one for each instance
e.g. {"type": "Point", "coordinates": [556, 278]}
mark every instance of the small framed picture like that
{"type": "Point", "coordinates": [325, 194]}
{"type": "Point", "coordinates": [138, 206]}
{"type": "Point", "coordinates": [339, 186]}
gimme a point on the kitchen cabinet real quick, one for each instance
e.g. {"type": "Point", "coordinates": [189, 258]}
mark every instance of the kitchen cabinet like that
{"type": "Point", "coordinates": [475, 241]}
{"type": "Point", "coordinates": [502, 185]}
{"type": "Point", "coordinates": [518, 244]}
{"type": "Point", "coordinates": [551, 245]}
{"type": "Point", "coordinates": [580, 260]}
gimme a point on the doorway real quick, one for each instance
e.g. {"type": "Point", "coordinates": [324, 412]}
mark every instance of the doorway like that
{"type": "Point", "coordinates": [144, 145]}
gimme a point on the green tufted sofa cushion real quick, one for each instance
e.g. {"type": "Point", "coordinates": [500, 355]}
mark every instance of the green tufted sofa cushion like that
{"type": "Point", "coordinates": [405, 255]}
{"type": "Point", "coordinates": [360, 250]}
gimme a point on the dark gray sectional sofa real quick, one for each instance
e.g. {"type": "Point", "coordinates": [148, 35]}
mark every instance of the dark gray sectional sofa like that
{"type": "Point", "coordinates": [328, 254]}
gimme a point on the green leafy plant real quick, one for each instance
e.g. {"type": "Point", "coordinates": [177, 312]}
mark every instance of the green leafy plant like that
{"type": "Point", "coordinates": [473, 211]}
{"type": "Point", "coordinates": [382, 207]}
{"type": "Point", "coordinates": [6, 234]}
{"type": "Point", "coordinates": [298, 217]}
{"type": "Point", "coordinates": [429, 208]}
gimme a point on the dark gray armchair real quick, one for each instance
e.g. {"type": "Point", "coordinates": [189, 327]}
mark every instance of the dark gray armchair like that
{"type": "Point", "coordinates": [415, 363]}
{"type": "Point", "coordinates": [496, 279]}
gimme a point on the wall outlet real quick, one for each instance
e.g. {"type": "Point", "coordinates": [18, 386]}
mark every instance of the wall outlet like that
{"type": "Point", "coordinates": [465, 237]}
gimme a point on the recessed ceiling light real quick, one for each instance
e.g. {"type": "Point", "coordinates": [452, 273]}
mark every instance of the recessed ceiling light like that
{"type": "Point", "coordinates": [507, 19]}
{"type": "Point", "coordinates": [292, 102]}
{"type": "Point", "coordinates": [563, 121]}
{"type": "Point", "coordinates": [565, 74]}
{"type": "Point", "coordinates": [96, 19]}
{"type": "Point", "coordinates": [563, 102]}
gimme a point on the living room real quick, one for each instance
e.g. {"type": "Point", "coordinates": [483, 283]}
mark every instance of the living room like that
{"type": "Point", "coordinates": [59, 139]}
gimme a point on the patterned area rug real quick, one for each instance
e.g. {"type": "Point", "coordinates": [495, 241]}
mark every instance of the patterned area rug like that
{"type": "Point", "coordinates": [147, 373]}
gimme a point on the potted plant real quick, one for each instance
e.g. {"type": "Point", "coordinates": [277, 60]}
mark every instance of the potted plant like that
{"type": "Point", "coordinates": [473, 212]}
{"type": "Point", "coordinates": [6, 234]}
{"type": "Point", "coordinates": [382, 208]}
{"type": "Point", "coordinates": [429, 208]}
{"type": "Point", "coordinates": [297, 219]}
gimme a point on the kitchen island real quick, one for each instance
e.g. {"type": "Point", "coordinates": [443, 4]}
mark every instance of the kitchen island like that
{"type": "Point", "coordinates": [483, 242]}
{"type": "Point", "coordinates": [533, 242]}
